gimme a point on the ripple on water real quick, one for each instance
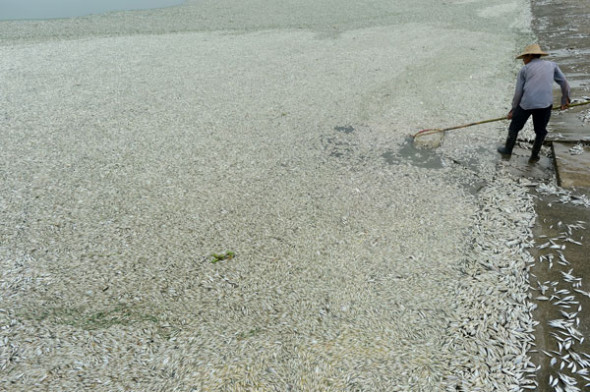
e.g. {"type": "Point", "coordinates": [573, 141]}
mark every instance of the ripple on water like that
{"type": "Point", "coordinates": [408, 153]}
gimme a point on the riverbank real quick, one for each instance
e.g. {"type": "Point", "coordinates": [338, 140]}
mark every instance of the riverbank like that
{"type": "Point", "coordinates": [564, 219]}
{"type": "Point", "coordinates": [139, 144]}
{"type": "Point", "coordinates": [562, 28]}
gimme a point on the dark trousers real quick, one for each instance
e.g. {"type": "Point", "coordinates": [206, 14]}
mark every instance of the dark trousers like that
{"type": "Point", "coordinates": [540, 120]}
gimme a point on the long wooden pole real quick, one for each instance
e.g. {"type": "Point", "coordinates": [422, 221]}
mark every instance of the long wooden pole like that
{"type": "Point", "coordinates": [436, 130]}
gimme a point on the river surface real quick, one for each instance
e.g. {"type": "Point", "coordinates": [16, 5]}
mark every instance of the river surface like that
{"type": "Point", "coordinates": [49, 9]}
{"type": "Point", "coordinates": [223, 196]}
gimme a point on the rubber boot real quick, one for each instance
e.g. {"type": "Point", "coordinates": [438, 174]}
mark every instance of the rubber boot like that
{"type": "Point", "coordinates": [510, 142]}
{"type": "Point", "coordinates": [536, 149]}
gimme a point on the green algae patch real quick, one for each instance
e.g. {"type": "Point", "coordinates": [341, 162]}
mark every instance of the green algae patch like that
{"type": "Point", "coordinates": [92, 320]}
{"type": "Point", "coordinates": [217, 257]}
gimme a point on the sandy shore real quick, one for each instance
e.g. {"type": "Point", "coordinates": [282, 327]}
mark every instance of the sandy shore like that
{"type": "Point", "coordinates": [137, 144]}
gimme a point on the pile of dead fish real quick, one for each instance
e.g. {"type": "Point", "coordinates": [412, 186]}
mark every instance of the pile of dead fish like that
{"type": "Point", "coordinates": [585, 115]}
{"type": "Point", "coordinates": [493, 341]}
{"type": "Point", "coordinates": [564, 196]}
{"type": "Point", "coordinates": [578, 149]}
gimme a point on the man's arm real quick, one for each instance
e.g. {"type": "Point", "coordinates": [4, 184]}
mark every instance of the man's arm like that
{"type": "Point", "coordinates": [518, 91]}
{"type": "Point", "coordinates": [560, 79]}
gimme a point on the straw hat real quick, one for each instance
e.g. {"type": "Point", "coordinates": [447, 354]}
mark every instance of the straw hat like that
{"type": "Point", "coordinates": [532, 49]}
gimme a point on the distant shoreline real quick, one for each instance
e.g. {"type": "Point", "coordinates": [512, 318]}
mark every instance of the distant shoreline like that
{"type": "Point", "coordinates": [37, 10]}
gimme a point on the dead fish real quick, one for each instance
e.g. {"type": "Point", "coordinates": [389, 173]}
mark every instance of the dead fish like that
{"type": "Point", "coordinates": [545, 245]}
{"type": "Point", "coordinates": [573, 241]}
{"type": "Point", "coordinates": [569, 298]}
{"type": "Point", "coordinates": [542, 258]}
{"type": "Point", "coordinates": [566, 379]}
{"type": "Point", "coordinates": [512, 243]}
{"type": "Point", "coordinates": [587, 294]}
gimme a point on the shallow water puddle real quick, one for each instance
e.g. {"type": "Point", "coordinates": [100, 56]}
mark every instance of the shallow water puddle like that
{"type": "Point", "coordinates": [345, 129]}
{"type": "Point", "coordinates": [426, 158]}
{"type": "Point", "coordinates": [52, 9]}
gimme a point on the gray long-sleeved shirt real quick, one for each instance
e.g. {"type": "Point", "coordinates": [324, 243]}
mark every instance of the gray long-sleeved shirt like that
{"type": "Point", "coordinates": [534, 85]}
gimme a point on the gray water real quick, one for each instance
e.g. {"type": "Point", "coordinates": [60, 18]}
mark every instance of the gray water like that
{"type": "Point", "coordinates": [51, 9]}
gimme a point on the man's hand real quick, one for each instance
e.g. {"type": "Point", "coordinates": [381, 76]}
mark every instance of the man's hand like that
{"type": "Point", "coordinates": [563, 107]}
{"type": "Point", "coordinates": [509, 116]}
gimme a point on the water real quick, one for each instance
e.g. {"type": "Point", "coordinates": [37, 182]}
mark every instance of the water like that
{"type": "Point", "coordinates": [136, 156]}
{"type": "Point", "coordinates": [427, 158]}
{"type": "Point", "coordinates": [51, 9]}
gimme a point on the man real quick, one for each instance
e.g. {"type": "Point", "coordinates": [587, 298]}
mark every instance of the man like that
{"type": "Point", "coordinates": [534, 97]}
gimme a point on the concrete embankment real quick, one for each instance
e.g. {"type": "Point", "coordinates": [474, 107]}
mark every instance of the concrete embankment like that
{"type": "Point", "coordinates": [561, 231]}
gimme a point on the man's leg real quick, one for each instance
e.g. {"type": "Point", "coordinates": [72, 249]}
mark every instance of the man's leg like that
{"type": "Point", "coordinates": [540, 120]}
{"type": "Point", "coordinates": [519, 118]}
